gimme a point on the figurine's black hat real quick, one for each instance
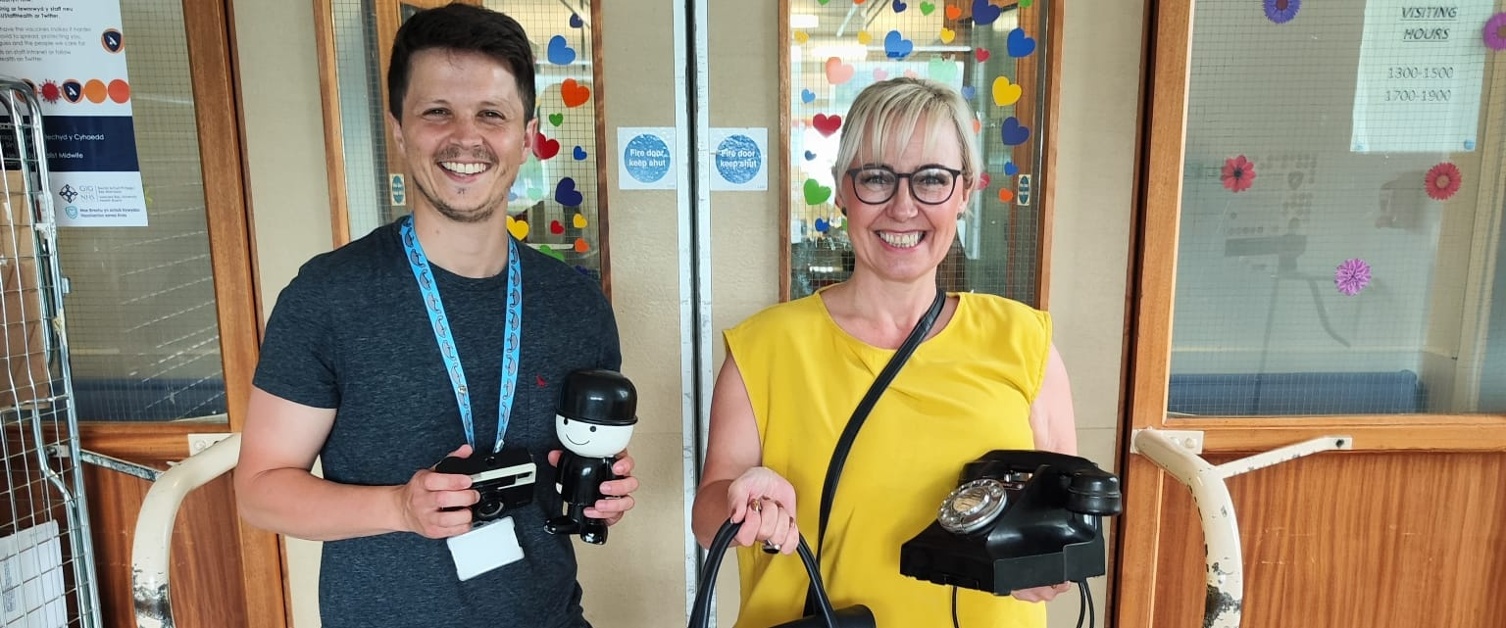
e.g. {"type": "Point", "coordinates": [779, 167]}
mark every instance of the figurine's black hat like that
{"type": "Point", "coordinates": [598, 396]}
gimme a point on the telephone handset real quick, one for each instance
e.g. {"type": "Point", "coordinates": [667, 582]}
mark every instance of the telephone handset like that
{"type": "Point", "coordinates": [1018, 519]}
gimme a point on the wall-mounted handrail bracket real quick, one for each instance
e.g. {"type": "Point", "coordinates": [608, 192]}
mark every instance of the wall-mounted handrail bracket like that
{"type": "Point", "coordinates": [1225, 561]}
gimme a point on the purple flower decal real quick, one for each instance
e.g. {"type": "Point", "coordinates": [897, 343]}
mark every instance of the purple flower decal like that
{"type": "Point", "coordinates": [1351, 276]}
{"type": "Point", "coordinates": [1282, 11]}
{"type": "Point", "coordinates": [1495, 32]}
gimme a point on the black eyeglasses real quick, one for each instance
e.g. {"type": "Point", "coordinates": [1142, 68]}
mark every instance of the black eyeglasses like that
{"type": "Point", "coordinates": [931, 184]}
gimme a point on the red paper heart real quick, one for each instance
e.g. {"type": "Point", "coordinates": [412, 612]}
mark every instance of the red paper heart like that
{"type": "Point", "coordinates": [544, 148]}
{"type": "Point", "coordinates": [574, 94]}
{"type": "Point", "coordinates": [983, 181]}
{"type": "Point", "coordinates": [555, 227]}
{"type": "Point", "coordinates": [982, 54]}
{"type": "Point", "coordinates": [826, 125]}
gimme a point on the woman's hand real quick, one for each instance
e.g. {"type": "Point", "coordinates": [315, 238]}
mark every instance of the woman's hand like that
{"type": "Point", "coordinates": [764, 502]}
{"type": "Point", "coordinates": [1042, 594]}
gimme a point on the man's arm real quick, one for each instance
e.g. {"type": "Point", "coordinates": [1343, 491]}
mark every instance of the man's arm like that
{"type": "Point", "coordinates": [275, 489]}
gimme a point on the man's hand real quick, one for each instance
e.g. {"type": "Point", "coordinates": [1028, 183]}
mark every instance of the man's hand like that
{"type": "Point", "coordinates": [436, 505]}
{"type": "Point", "coordinates": [618, 492]}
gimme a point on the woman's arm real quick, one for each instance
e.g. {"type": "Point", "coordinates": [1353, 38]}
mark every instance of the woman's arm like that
{"type": "Point", "coordinates": [1051, 416]}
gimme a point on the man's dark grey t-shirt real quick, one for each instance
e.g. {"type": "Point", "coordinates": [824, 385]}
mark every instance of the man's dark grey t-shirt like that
{"type": "Point", "coordinates": [350, 333]}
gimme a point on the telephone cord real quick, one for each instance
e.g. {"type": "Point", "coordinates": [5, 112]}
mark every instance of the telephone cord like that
{"type": "Point", "coordinates": [1084, 607]}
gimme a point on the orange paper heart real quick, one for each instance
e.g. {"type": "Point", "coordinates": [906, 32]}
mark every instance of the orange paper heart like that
{"type": "Point", "coordinates": [953, 12]}
{"type": "Point", "coordinates": [1006, 195]}
{"type": "Point", "coordinates": [574, 94]}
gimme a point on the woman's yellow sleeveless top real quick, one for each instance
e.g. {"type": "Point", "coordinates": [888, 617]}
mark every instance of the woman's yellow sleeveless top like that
{"type": "Point", "coordinates": [965, 391]}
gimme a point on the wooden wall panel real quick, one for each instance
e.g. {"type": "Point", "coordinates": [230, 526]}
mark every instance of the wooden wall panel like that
{"type": "Point", "coordinates": [205, 574]}
{"type": "Point", "coordinates": [1372, 540]}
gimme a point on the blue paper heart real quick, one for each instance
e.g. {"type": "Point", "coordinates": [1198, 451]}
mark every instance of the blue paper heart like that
{"type": "Point", "coordinates": [580, 153]}
{"type": "Point", "coordinates": [807, 95]}
{"type": "Point", "coordinates": [809, 155]}
{"type": "Point", "coordinates": [1019, 44]}
{"type": "Point", "coordinates": [583, 270]}
{"type": "Point", "coordinates": [566, 194]}
{"type": "Point", "coordinates": [575, 21]}
{"type": "Point", "coordinates": [896, 46]}
{"type": "Point", "coordinates": [560, 53]}
{"type": "Point", "coordinates": [900, 6]}
{"type": "Point", "coordinates": [1012, 132]}
{"type": "Point", "coordinates": [968, 92]}
{"type": "Point", "coordinates": [985, 13]}
{"type": "Point", "coordinates": [1011, 169]}
{"type": "Point", "coordinates": [822, 226]}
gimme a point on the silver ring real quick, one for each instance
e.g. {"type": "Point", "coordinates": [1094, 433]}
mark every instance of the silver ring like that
{"type": "Point", "coordinates": [772, 547]}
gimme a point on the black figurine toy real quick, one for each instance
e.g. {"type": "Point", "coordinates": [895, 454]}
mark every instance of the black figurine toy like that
{"type": "Point", "coordinates": [594, 420]}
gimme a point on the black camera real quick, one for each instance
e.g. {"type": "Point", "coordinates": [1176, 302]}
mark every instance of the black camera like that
{"type": "Point", "coordinates": [1018, 519]}
{"type": "Point", "coordinates": [504, 480]}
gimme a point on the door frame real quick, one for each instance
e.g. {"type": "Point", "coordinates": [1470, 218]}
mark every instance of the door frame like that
{"type": "Point", "coordinates": [1149, 333]}
{"type": "Point", "coordinates": [216, 91]}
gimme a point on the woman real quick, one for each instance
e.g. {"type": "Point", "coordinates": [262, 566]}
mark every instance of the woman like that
{"type": "Point", "coordinates": [986, 377]}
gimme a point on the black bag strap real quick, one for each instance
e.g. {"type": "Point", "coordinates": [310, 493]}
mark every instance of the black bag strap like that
{"type": "Point", "coordinates": [701, 609]}
{"type": "Point", "coordinates": [850, 433]}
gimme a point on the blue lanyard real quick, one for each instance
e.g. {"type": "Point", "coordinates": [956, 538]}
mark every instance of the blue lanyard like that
{"type": "Point", "coordinates": [441, 325]}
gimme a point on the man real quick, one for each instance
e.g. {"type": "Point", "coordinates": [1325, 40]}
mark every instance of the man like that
{"type": "Point", "coordinates": [382, 358]}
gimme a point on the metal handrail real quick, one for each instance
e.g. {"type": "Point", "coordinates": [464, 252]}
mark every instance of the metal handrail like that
{"type": "Point", "coordinates": [152, 545]}
{"type": "Point", "coordinates": [1225, 559]}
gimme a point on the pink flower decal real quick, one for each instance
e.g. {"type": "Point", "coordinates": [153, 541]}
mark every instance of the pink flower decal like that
{"type": "Point", "coordinates": [1442, 181]}
{"type": "Point", "coordinates": [1495, 32]}
{"type": "Point", "coordinates": [1351, 276]}
{"type": "Point", "coordinates": [1238, 174]}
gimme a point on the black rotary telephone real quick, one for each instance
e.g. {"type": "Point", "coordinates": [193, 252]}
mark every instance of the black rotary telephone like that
{"type": "Point", "coordinates": [1018, 519]}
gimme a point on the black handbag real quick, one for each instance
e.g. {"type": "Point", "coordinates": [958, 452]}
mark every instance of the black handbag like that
{"type": "Point", "coordinates": [850, 433]}
{"type": "Point", "coordinates": [850, 617]}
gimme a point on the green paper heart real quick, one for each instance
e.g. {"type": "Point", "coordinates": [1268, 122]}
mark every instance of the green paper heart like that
{"type": "Point", "coordinates": [815, 193]}
{"type": "Point", "coordinates": [556, 119]}
{"type": "Point", "coordinates": [822, 2]}
{"type": "Point", "coordinates": [549, 250]}
{"type": "Point", "coordinates": [941, 70]}
{"type": "Point", "coordinates": [926, 8]}
{"type": "Point", "coordinates": [1025, 4]}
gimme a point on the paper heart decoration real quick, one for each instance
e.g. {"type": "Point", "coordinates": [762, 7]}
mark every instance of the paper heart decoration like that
{"type": "Point", "coordinates": [1012, 132]}
{"type": "Point", "coordinates": [545, 148]}
{"type": "Point", "coordinates": [556, 119]}
{"type": "Point", "coordinates": [809, 155]}
{"type": "Point", "coordinates": [900, 6]}
{"type": "Point", "coordinates": [926, 8]}
{"type": "Point", "coordinates": [1019, 44]}
{"type": "Point", "coordinates": [822, 226]}
{"type": "Point", "coordinates": [896, 46]}
{"type": "Point", "coordinates": [559, 52]}
{"type": "Point", "coordinates": [837, 72]}
{"type": "Point", "coordinates": [1006, 93]}
{"type": "Point", "coordinates": [802, 37]}
{"type": "Point", "coordinates": [815, 193]}
{"type": "Point", "coordinates": [982, 53]}
{"type": "Point", "coordinates": [1006, 195]}
{"type": "Point", "coordinates": [579, 221]}
{"type": "Point", "coordinates": [942, 70]}
{"type": "Point", "coordinates": [864, 38]}
{"type": "Point", "coordinates": [807, 96]}
{"type": "Point", "coordinates": [581, 246]}
{"type": "Point", "coordinates": [555, 227]}
{"type": "Point", "coordinates": [1011, 169]}
{"type": "Point", "coordinates": [910, 73]}
{"type": "Point", "coordinates": [977, 125]}
{"type": "Point", "coordinates": [566, 194]}
{"type": "Point", "coordinates": [967, 94]}
{"type": "Point", "coordinates": [575, 21]}
{"type": "Point", "coordinates": [947, 35]}
{"type": "Point", "coordinates": [983, 181]}
{"type": "Point", "coordinates": [549, 250]}
{"type": "Point", "coordinates": [574, 94]}
{"type": "Point", "coordinates": [984, 12]}
{"type": "Point", "coordinates": [535, 194]}
{"type": "Point", "coordinates": [826, 125]}
{"type": "Point", "coordinates": [579, 153]}
{"type": "Point", "coordinates": [880, 74]}
{"type": "Point", "coordinates": [953, 12]}
{"type": "Point", "coordinates": [517, 228]}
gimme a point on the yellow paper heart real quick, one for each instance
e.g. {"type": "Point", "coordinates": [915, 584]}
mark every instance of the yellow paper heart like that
{"type": "Point", "coordinates": [1006, 93]}
{"type": "Point", "coordinates": [580, 221]}
{"type": "Point", "coordinates": [517, 228]}
{"type": "Point", "coordinates": [947, 35]}
{"type": "Point", "coordinates": [864, 37]}
{"type": "Point", "coordinates": [801, 37]}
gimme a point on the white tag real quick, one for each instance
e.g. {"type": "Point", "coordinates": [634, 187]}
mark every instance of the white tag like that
{"type": "Point", "coordinates": [485, 548]}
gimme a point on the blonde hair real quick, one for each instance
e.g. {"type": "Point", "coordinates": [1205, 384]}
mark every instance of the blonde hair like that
{"type": "Point", "coordinates": [886, 114]}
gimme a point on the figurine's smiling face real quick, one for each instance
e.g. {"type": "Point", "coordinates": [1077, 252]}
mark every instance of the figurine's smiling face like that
{"type": "Point", "coordinates": [591, 440]}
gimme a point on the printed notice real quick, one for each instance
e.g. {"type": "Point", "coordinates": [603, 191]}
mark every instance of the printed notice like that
{"type": "Point", "coordinates": [1420, 73]}
{"type": "Point", "coordinates": [647, 161]}
{"type": "Point", "coordinates": [73, 54]}
{"type": "Point", "coordinates": [740, 159]}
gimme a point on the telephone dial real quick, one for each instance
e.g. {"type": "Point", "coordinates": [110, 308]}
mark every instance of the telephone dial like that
{"type": "Point", "coordinates": [1018, 519]}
